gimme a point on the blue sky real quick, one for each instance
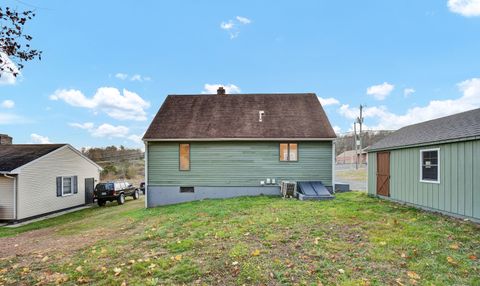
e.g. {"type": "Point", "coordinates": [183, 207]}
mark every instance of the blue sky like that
{"type": "Point", "coordinates": [108, 65]}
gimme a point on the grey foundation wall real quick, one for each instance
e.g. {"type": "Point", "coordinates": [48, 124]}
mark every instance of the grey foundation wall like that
{"type": "Point", "coordinates": [166, 195]}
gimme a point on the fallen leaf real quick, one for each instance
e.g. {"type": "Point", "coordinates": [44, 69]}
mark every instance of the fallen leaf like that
{"type": "Point", "coordinates": [399, 282]}
{"type": "Point", "coordinates": [82, 280]}
{"type": "Point", "coordinates": [472, 257]}
{"type": "Point", "coordinates": [256, 252]}
{"type": "Point", "coordinates": [413, 275]}
{"type": "Point", "coordinates": [131, 261]}
{"type": "Point", "coordinates": [117, 270]}
{"type": "Point", "coordinates": [454, 246]}
{"type": "Point", "coordinates": [151, 266]}
{"type": "Point", "coordinates": [45, 259]}
{"type": "Point", "coordinates": [79, 269]}
{"type": "Point", "coordinates": [178, 257]}
{"type": "Point", "coordinates": [317, 240]}
{"type": "Point", "coordinates": [341, 271]}
{"type": "Point", "coordinates": [124, 283]}
{"type": "Point", "coordinates": [383, 243]}
{"type": "Point", "coordinates": [451, 260]}
{"type": "Point", "coordinates": [235, 263]}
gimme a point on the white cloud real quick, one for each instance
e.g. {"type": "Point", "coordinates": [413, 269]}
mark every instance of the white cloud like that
{"type": "Point", "coordinates": [86, 125]}
{"type": "Point", "coordinates": [337, 129]}
{"type": "Point", "coordinates": [233, 26]}
{"type": "Point", "coordinates": [7, 77]}
{"type": "Point", "coordinates": [39, 139]}
{"type": "Point", "coordinates": [135, 77]}
{"type": "Point", "coordinates": [408, 91]}
{"type": "Point", "coordinates": [212, 88]}
{"type": "Point", "coordinates": [243, 20]}
{"type": "Point", "coordinates": [122, 76]}
{"type": "Point", "coordinates": [8, 103]}
{"type": "Point", "coordinates": [434, 109]}
{"type": "Point", "coordinates": [380, 91]}
{"type": "Point", "coordinates": [136, 138]}
{"type": "Point", "coordinates": [110, 131]}
{"type": "Point", "coordinates": [328, 101]}
{"type": "Point", "coordinates": [129, 106]}
{"type": "Point", "coordinates": [467, 8]}
{"type": "Point", "coordinates": [227, 25]}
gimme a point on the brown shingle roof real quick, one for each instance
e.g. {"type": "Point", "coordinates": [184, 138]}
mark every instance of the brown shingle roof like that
{"type": "Point", "coordinates": [235, 116]}
{"type": "Point", "coordinates": [16, 155]}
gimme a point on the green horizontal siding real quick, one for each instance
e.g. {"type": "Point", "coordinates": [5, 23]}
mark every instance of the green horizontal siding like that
{"type": "Point", "coordinates": [237, 163]}
{"type": "Point", "coordinates": [459, 189]}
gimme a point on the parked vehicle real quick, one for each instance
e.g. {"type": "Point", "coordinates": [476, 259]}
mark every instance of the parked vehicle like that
{"type": "Point", "coordinates": [115, 191]}
{"type": "Point", "coordinates": [142, 187]}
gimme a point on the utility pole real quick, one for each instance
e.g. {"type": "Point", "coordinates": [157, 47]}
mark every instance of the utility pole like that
{"type": "Point", "coordinates": [359, 141]}
{"type": "Point", "coordinates": [355, 143]}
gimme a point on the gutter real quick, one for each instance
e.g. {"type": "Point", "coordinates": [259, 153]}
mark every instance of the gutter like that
{"type": "Point", "coordinates": [14, 194]}
{"type": "Point", "coordinates": [448, 141]}
{"type": "Point", "coordinates": [236, 139]}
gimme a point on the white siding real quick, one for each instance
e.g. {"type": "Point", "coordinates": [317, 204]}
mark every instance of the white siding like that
{"type": "Point", "coordinates": [6, 198]}
{"type": "Point", "coordinates": [37, 192]}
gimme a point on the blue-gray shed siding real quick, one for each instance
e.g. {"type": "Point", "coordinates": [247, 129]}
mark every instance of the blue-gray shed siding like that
{"type": "Point", "coordinates": [458, 191]}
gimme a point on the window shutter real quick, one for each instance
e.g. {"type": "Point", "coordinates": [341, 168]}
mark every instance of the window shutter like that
{"type": "Point", "coordinates": [59, 186]}
{"type": "Point", "coordinates": [75, 185]}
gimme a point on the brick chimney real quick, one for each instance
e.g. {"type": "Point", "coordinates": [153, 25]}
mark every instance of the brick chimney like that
{"type": "Point", "coordinates": [221, 91]}
{"type": "Point", "coordinates": [5, 139]}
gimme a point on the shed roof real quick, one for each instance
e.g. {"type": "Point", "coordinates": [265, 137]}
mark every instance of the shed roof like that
{"type": "Point", "coordinates": [17, 155]}
{"type": "Point", "coordinates": [236, 116]}
{"type": "Point", "coordinates": [458, 126]}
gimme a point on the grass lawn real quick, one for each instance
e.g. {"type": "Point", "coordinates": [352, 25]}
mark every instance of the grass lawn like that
{"type": "Point", "coordinates": [352, 240]}
{"type": "Point", "coordinates": [359, 174]}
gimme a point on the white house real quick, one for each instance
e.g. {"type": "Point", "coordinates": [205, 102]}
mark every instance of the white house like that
{"type": "Point", "coordinates": [39, 179]}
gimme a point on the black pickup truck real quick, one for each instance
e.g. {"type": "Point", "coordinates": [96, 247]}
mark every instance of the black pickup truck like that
{"type": "Point", "coordinates": [114, 191]}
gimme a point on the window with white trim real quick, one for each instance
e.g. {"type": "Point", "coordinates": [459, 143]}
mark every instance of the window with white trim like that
{"type": "Point", "coordinates": [67, 186]}
{"type": "Point", "coordinates": [430, 165]}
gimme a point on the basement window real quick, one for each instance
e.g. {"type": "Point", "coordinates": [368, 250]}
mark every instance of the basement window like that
{"type": "Point", "coordinates": [187, 189]}
{"type": "Point", "coordinates": [288, 152]}
{"type": "Point", "coordinates": [430, 165]}
{"type": "Point", "coordinates": [184, 157]}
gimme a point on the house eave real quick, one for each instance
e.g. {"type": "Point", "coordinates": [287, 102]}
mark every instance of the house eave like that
{"type": "Point", "coordinates": [424, 144]}
{"type": "Point", "coordinates": [235, 139]}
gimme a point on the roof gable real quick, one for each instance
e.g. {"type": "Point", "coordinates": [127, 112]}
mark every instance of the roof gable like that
{"type": "Point", "coordinates": [453, 127]}
{"type": "Point", "coordinates": [17, 155]}
{"type": "Point", "coordinates": [236, 116]}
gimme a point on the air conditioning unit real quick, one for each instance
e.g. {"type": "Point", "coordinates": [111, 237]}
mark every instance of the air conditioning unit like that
{"type": "Point", "coordinates": [288, 189]}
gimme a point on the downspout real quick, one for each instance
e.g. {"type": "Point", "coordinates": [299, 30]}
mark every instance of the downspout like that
{"type": "Point", "coordinates": [146, 173]}
{"type": "Point", "coordinates": [333, 166]}
{"type": "Point", "coordinates": [14, 194]}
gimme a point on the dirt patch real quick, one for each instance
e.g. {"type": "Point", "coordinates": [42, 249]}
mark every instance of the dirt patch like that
{"type": "Point", "coordinates": [47, 241]}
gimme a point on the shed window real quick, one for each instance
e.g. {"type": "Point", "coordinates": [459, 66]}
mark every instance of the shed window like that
{"type": "Point", "coordinates": [187, 189]}
{"type": "Point", "coordinates": [184, 157]}
{"type": "Point", "coordinates": [430, 165]}
{"type": "Point", "coordinates": [67, 186]}
{"type": "Point", "coordinates": [288, 152]}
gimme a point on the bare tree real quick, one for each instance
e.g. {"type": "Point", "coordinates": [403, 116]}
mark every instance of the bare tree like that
{"type": "Point", "coordinates": [14, 43]}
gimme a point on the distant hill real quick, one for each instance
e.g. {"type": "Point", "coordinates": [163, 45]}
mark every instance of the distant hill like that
{"type": "Point", "coordinates": [346, 141]}
{"type": "Point", "coordinates": [118, 162]}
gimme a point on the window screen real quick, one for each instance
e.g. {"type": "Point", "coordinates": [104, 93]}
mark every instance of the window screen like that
{"type": "Point", "coordinates": [429, 165]}
{"type": "Point", "coordinates": [184, 157]}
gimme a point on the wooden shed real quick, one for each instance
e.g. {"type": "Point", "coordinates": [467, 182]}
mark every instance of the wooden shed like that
{"type": "Point", "coordinates": [433, 165]}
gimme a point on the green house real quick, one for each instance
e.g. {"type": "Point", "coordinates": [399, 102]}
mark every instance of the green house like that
{"type": "Point", "coordinates": [225, 145]}
{"type": "Point", "coordinates": [434, 165]}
